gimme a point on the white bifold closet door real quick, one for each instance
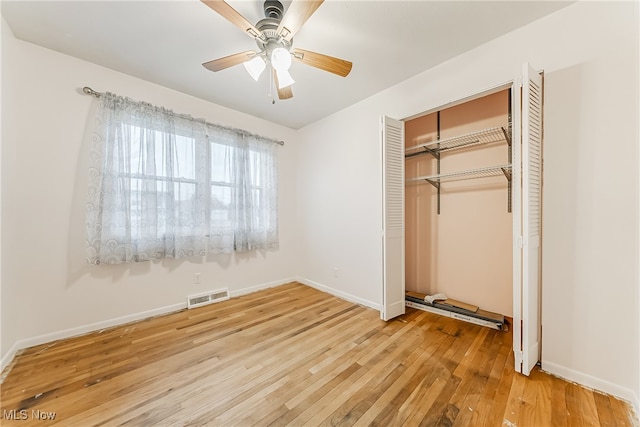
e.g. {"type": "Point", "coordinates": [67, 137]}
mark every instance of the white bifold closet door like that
{"type": "Point", "coordinates": [392, 218]}
{"type": "Point", "coordinates": [527, 203]}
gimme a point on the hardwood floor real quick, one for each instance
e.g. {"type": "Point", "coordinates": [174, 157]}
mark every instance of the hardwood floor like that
{"type": "Point", "coordinates": [292, 355]}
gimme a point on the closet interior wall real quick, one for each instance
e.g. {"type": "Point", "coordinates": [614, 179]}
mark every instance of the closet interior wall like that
{"type": "Point", "coordinates": [465, 251]}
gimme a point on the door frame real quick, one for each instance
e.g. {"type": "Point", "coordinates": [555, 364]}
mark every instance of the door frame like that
{"type": "Point", "coordinates": [513, 85]}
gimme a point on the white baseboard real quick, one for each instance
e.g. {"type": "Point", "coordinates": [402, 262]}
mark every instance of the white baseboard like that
{"type": "Point", "coordinates": [261, 287]}
{"type": "Point", "coordinates": [594, 383]}
{"type": "Point", "coordinates": [93, 327]}
{"type": "Point", "coordinates": [8, 358]}
{"type": "Point", "coordinates": [339, 294]}
{"type": "Point", "coordinates": [85, 329]}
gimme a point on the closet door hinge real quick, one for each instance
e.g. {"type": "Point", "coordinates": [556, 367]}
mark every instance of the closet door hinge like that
{"type": "Point", "coordinates": [520, 242]}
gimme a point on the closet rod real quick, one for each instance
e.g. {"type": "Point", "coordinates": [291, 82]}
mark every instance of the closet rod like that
{"type": "Point", "coordinates": [87, 90]}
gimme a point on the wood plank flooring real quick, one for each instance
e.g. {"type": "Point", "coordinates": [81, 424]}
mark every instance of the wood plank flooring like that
{"type": "Point", "coordinates": [292, 355]}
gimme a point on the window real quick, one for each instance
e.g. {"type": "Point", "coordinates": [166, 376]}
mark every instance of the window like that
{"type": "Point", "coordinates": [164, 185]}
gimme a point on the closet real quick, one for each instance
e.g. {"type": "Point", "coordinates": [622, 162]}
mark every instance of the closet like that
{"type": "Point", "coordinates": [458, 220]}
{"type": "Point", "coordinates": [461, 207]}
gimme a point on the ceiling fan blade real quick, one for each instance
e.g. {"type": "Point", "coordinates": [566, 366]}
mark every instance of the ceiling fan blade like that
{"type": "Point", "coordinates": [295, 16]}
{"type": "Point", "coordinates": [324, 62]}
{"type": "Point", "coordinates": [233, 16]}
{"type": "Point", "coordinates": [229, 61]}
{"type": "Point", "coordinates": [285, 92]}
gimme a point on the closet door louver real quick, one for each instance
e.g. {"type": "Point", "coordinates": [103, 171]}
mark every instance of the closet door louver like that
{"type": "Point", "coordinates": [527, 224]}
{"type": "Point", "coordinates": [393, 303]}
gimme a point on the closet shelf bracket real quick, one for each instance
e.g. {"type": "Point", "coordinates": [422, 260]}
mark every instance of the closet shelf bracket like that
{"type": "Point", "coordinates": [436, 184]}
{"type": "Point", "coordinates": [507, 136]}
{"type": "Point", "coordinates": [507, 174]}
{"type": "Point", "coordinates": [425, 150]}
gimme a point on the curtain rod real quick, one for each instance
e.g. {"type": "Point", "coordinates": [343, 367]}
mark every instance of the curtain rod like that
{"type": "Point", "coordinates": [87, 90]}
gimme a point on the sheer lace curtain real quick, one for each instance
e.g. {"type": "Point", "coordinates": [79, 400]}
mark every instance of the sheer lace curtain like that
{"type": "Point", "coordinates": [166, 185]}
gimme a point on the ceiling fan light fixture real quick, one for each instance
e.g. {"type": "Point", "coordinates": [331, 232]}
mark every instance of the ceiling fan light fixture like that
{"type": "Point", "coordinates": [255, 67]}
{"type": "Point", "coordinates": [281, 59]}
{"type": "Point", "coordinates": [284, 79]}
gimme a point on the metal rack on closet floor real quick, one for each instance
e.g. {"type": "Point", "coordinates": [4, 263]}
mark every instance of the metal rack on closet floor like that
{"type": "Point", "coordinates": [435, 148]}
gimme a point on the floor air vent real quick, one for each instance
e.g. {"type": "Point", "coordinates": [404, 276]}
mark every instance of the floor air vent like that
{"type": "Point", "coordinates": [210, 297]}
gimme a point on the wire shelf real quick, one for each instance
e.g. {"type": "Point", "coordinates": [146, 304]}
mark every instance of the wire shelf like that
{"type": "Point", "coordinates": [490, 171]}
{"type": "Point", "coordinates": [485, 136]}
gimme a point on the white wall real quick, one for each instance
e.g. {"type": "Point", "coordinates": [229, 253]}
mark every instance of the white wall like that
{"type": "Point", "coordinates": [589, 52]}
{"type": "Point", "coordinates": [7, 120]}
{"type": "Point", "coordinates": [47, 287]}
{"type": "Point", "coordinates": [339, 195]}
{"type": "Point", "coordinates": [6, 39]}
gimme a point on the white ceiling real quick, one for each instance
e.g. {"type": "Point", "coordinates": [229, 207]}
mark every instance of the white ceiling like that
{"type": "Point", "coordinates": [166, 42]}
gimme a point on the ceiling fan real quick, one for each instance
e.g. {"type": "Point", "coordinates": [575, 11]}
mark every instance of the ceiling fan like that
{"type": "Point", "coordinates": [274, 37]}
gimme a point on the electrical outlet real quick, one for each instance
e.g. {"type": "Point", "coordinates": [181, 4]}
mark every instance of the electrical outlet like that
{"type": "Point", "coordinates": [335, 271]}
{"type": "Point", "coordinates": [196, 278]}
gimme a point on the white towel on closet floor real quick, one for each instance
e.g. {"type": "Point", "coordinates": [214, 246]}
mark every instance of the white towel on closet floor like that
{"type": "Point", "coordinates": [437, 297]}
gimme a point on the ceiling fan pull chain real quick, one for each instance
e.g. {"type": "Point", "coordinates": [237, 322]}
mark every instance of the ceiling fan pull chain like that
{"type": "Point", "coordinates": [271, 85]}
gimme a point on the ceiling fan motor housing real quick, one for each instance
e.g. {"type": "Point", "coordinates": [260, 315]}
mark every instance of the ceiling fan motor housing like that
{"type": "Point", "coordinates": [269, 28]}
{"type": "Point", "coordinates": [273, 9]}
